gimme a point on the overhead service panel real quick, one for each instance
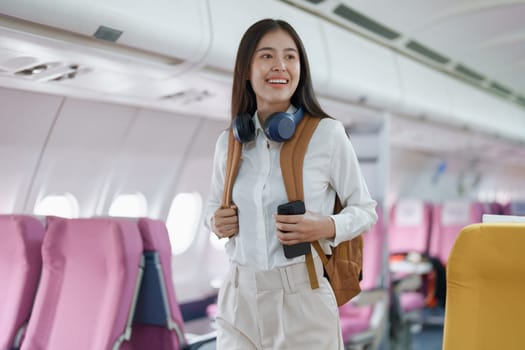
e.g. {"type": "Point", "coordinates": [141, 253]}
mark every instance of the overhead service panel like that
{"type": "Point", "coordinates": [223, 51]}
{"type": "Point", "coordinates": [178, 29]}
{"type": "Point", "coordinates": [361, 71]}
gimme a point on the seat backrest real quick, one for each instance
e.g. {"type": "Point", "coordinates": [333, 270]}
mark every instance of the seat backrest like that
{"type": "Point", "coordinates": [515, 208]}
{"type": "Point", "coordinates": [158, 320]}
{"type": "Point", "coordinates": [373, 254]}
{"type": "Point", "coordinates": [91, 269]}
{"type": "Point", "coordinates": [361, 322]}
{"type": "Point", "coordinates": [373, 241]}
{"type": "Point", "coordinates": [409, 226]}
{"type": "Point", "coordinates": [449, 218]}
{"type": "Point", "coordinates": [485, 288]}
{"type": "Point", "coordinates": [492, 208]}
{"type": "Point", "coordinates": [20, 266]}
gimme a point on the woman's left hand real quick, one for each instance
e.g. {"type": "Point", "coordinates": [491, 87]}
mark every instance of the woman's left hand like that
{"type": "Point", "coordinates": [307, 227]}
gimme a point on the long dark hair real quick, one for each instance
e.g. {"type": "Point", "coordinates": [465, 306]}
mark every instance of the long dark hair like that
{"type": "Point", "coordinates": [243, 96]}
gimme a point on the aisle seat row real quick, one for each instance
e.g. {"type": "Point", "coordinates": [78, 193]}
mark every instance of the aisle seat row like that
{"type": "Point", "coordinates": [103, 283]}
{"type": "Point", "coordinates": [364, 318]}
{"type": "Point", "coordinates": [421, 236]}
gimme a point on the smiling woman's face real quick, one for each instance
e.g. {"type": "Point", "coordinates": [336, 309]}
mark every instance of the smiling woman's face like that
{"type": "Point", "coordinates": [275, 71]}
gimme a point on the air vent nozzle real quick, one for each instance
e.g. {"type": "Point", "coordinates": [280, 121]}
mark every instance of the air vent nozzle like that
{"type": "Point", "coordinates": [500, 89]}
{"type": "Point", "coordinates": [426, 52]}
{"type": "Point", "coordinates": [365, 22]}
{"type": "Point", "coordinates": [469, 73]}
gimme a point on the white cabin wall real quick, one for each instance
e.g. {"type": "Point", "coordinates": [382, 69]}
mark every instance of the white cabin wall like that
{"type": "Point", "coordinates": [150, 159]}
{"type": "Point", "coordinates": [25, 121]}
{"type": "Point", "coordinates": [199, 265]}
{"type": "Point", "coordinates": [80, 151]}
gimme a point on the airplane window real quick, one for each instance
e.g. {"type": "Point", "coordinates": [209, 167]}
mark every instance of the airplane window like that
{"type": "Point", "coordinates": [183, 220]}
{"type": "Point", "coordinates": [131, 205]}
{"type": "Point", "coordinates": [63, 205]}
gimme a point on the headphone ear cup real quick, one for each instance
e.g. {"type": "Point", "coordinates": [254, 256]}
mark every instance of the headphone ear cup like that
{"type": "Point", "coordinates": [243, 128]}
{"type": "Point", "coordinates": [280, 126]}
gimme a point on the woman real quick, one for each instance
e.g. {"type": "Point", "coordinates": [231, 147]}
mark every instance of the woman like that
{"type": "Point", "coordinates": [266, 302]}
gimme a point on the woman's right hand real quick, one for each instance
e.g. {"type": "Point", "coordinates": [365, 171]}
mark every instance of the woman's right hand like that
{"type": "Point", "coordinates": [226, 222]}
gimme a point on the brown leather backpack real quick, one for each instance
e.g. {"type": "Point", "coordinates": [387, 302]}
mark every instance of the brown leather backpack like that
{"type": "Point", "coordinates": [343, 267]}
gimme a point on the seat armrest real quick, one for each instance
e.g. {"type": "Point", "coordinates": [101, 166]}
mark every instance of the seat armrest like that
{"type": "Point", "coordinates": [407, 283]}
{"type": "Point", "coordinates": [370, 296]}
{"type": "Point", "coordinates": [197, 341]}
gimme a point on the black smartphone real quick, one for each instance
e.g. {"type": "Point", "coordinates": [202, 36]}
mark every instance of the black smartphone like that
{"type": "Point", "coordinates": [294, 208]}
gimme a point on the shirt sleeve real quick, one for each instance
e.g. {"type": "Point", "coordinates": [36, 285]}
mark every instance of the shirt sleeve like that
{"type": "Point", "coordinates": [358, 213]}
{"type": "Point", "coordinates": [217, 179]}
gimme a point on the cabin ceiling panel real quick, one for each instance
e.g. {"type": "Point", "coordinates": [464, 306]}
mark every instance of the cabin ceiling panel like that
{"type": "Point", "coordinates": [361, 71]}
{"type": "Point", "coordinates": [47, 64]}
{"type": "Point", "coordinates": [425, 91]}
{"type": "Point", "coordinates": [162, 28]}
{"type": "Point", "coordinates": [479, 110]}
{"type": "Point", "coordinates": [486, 35]}
{"type": "Point", "coordinates": [479, 41]}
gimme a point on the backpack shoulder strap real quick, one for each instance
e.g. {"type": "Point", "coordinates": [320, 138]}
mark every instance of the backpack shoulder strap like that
{"type": "Point", "coordinates": [233, 161]}
{"type": "Point", "coordinates": [292, 159]}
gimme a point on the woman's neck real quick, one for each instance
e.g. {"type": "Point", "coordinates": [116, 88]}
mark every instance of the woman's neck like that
{"type": "Point", "coordinates": [265, 111]}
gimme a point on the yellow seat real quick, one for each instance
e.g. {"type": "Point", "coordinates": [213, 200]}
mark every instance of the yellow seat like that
{"type": "Point", "coordinates": [485, 305]}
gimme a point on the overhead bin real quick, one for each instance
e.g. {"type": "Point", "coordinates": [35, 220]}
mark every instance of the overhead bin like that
{"type": "Point", "coordinates": [231, 18]}
{"type": "Point", "coordinates": [483, 111]}
{"type": "Point", "coordinates": [177, 29]}
{"type": "Point", "coordinates": [424, 90]}
{"type": "Point", "coordinates": [360, 71]}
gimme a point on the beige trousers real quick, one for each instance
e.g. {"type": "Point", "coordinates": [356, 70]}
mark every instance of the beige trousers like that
{"type": "Point", "coordinates": [277, 310]}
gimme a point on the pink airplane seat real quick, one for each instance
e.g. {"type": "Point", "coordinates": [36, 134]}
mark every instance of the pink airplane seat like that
{"type": "Point", "coordinates": [411, 301]}
{"type": "Point", "coordinates": [363, 317]}
{"type": "Point", "coordinates": [158, 322]}
{"type": "Point", "coordinates": [409, 226]}
{"type": "Point", "coordinates": [211, 311]}
{"type": "Point", "coordinates": [20, 266]}
{"type": "Point", "coordinates": [493, 208]}
{"type": "Point", "coordinates": [449, 219]}
{"type": "Point", "coordinates": [90, 278]}
{"type": "Point", "coordinates": [408, 234]}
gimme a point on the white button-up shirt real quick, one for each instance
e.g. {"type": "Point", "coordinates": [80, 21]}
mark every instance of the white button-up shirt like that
{"type": "Point", "coordinates": [330, 165]}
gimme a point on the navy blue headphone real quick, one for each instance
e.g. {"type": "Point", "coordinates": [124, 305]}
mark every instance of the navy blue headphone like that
{"type": "Point", "coordinates": [279, 126]}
